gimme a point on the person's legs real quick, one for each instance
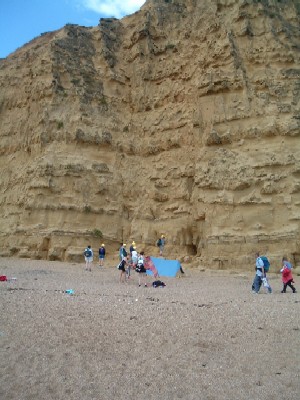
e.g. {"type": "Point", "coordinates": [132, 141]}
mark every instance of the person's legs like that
{"type": "Point", "coordinates": [145, 278]}
{"type": "Point", "coordinates": [257, 283]}
{"type": "Point", "coordinates": [290, 284]}
{"type": "Point", "coordinates": [122, 276]}
{"type": "Point", "coordinates": [284, 288]}
{"type": "Point", "coordinates": [269, 289]}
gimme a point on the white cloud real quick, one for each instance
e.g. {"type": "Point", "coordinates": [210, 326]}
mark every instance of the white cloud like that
{"type": "Point", "coordinates": [116, 8]}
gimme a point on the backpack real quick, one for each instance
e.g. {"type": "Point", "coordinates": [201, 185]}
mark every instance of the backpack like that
{"type": "Point", "coordinates": [158, 243]}
{"type": "Point", "coordinates": [266, 263]}
{"type": "Point", "coordinates": [158, 283]}
{"type": "Point", "coordinates": [88, 252]}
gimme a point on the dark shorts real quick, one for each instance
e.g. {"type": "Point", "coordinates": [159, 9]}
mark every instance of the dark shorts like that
{"type": "Point", "coordinates": [140, 269]}
{"type": "Point", "coordinates": [121, 266]}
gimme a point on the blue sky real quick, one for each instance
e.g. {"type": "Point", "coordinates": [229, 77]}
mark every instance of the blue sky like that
{"type": "Point", "coordinates": [23, 20]}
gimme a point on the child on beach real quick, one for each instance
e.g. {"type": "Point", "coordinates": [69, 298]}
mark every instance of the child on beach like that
{"type": "Point", "coordinates": [140, 268]}
{"type": "Point", "coordinates": [287, 277]}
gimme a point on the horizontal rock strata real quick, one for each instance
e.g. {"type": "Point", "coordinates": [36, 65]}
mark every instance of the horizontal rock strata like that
{"type": "Point", "coordinates": [182, 119]}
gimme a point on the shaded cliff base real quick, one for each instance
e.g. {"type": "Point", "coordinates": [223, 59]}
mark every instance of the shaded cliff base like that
{"type": "Point", "coordinates": [219, 253]}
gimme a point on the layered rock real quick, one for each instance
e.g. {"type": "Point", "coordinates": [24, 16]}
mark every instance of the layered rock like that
{"type": "Point", "coordinates": [181, 119]}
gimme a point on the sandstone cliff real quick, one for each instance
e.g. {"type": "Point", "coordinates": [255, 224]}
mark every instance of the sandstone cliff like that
{"type": "Point", "coordinates": [181, 119]}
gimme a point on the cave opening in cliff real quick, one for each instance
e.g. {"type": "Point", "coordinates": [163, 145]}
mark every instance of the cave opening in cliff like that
{"type": "Point", "coordinates": [192, 250]}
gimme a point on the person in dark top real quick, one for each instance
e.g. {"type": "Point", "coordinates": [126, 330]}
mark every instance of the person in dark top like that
{"type": "Point", "coordinates": [101, 255]}
{"type": "Point", "coordinates": [122, 269]}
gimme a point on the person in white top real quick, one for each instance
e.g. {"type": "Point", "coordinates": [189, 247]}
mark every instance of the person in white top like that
{"type": "Point", "coordinates": [260, 276]}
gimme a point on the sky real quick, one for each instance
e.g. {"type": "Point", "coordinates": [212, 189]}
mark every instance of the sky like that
{"type": "Point", "coordinates": [23, 20]}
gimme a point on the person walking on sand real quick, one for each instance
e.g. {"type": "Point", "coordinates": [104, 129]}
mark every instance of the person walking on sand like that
{"type": "Point", "coordinates": [88, 256]}
{"type": "Point", "coordinates": [101, 255]}
{"type": "Point", "coordinates": [287, 277]}
{"type": "Point", "coordinates": [260, 277]}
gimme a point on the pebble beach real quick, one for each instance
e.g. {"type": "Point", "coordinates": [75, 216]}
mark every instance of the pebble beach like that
{"type": "Point", "coordinates": [203, 336]}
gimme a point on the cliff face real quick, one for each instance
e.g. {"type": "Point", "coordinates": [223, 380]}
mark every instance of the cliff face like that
{"type": "Point", "coordinates": [181, 119]}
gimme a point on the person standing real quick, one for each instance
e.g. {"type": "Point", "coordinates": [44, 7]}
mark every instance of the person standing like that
{"type": "Point", "coordinates": [134, 257]}
{"type": "Point", "coordinates": [122, 251]}
{"type": "Point", "coordinates": [132, 247]}
{"type": "Point", "coordinates": [132, 262]}
{"type": "Point", "coordinates": [88, 256]}
{"type": "Point", "coordinates": [161, 244]}
{"type": "Point", "coordinates": [140, 269]}
{"type": "Point", "coordinates": [101, 255]}
{"type": "Point", "coordinates": [121, 268]}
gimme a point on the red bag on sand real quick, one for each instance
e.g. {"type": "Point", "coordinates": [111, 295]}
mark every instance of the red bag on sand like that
{"type": "Point", "coordinates": [3, 278]}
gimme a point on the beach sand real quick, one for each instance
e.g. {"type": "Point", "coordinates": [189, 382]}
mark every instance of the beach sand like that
{"type": "Point", "coordinates": [203, 336]}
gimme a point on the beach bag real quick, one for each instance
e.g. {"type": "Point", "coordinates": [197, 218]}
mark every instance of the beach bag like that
{"type": "Point", "coordinates": [158, 283]}
{"type": "Point", "coordinates": [88, 253]}
{"type": "Point", "coordinates": [265, 282]}
{"type": "Point", "coordinates": [266, 263]}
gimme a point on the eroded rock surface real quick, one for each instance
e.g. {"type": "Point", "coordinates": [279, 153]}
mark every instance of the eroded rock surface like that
{"type": "Point", "coordinates": [181, 119]}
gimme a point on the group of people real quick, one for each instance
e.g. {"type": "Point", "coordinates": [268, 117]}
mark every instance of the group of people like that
{"type": "Point", "coordinates": [132, 260]}
{"type": "Point", "coordinates": [128, 260]}
{"type": "Point", "coordinates": [262, 267]}
{"type": "Point", "coordinates": [89, 256]}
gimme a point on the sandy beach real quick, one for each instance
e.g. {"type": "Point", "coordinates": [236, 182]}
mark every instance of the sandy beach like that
{"type": "Point", "coordinates": [203, 336]}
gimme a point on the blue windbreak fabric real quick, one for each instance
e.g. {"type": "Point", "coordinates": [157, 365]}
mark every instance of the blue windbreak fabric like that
{"type": "Point", "coordinates": [165, 267]}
